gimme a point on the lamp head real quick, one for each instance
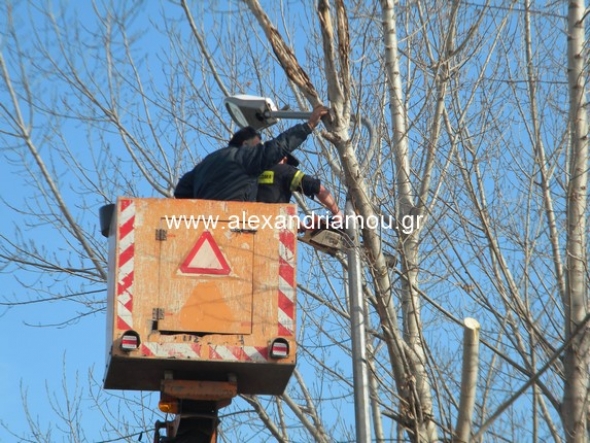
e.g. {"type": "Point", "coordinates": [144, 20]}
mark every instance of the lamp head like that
{"type": "Point", "coordinates": [249, 110]}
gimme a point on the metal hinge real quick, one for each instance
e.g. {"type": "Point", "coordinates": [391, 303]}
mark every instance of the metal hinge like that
{"type": "Point", "coordinates": [157, 314]}
{"type": "Point", "coordinates": [244, 230]}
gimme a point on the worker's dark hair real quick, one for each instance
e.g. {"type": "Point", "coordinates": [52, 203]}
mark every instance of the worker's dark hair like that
{"type": "Point", "coordinates": [242, 135]}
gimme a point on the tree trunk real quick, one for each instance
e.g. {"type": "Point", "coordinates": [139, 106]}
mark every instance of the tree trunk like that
{"type": "Point", "coordinates": [576, 356]}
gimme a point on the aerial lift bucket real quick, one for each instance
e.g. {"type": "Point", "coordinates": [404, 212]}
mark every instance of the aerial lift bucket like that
{"type": "Point", "coordinates": [199, 312]}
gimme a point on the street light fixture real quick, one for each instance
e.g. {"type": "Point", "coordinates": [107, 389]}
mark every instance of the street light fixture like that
{"type": "Point", "coordinates": [249, 110]}
{"type": "Point", "coordinates": [258, 112]}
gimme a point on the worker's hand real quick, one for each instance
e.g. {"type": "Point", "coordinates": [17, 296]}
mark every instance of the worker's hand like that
{"type": "Point", "coordinates": [337, 220]}
{"type": "Point", "coordinates": [316, 116]}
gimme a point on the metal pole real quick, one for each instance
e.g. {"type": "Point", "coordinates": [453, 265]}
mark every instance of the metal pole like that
{"type": "Point", "coordinates": [360, 370]}
{"type": "Point", "coordinates": [287, 114]}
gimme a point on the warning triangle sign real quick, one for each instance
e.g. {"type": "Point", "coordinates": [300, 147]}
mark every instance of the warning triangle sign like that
{"type": "Point", "coordinates": [205, 258]}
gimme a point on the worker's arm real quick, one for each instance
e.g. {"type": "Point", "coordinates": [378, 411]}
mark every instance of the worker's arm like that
{"type": "Point", "coordinates": [326, 198]}
{"type": "Point", "coordinates": [312, 187]}
{"type": "Point", "coordinates": [259, 158]}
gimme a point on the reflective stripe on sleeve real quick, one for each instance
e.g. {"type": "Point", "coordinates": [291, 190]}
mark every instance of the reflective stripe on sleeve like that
{"type": "Point", "coordinates": [296, 181]}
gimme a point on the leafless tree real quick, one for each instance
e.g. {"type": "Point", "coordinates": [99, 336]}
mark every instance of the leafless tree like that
{"type": "Point", "coordinates": [465, 122]}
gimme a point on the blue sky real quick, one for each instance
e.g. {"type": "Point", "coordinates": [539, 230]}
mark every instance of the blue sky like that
{"type": "Point", "coordinates": [37, 359]}
{"type": "Point", "coordinates": [40, 357]}
{"type": "Point", "coordinates": [37, 356]}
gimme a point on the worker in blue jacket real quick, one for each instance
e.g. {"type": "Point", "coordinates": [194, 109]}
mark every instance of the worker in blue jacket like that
{"type": "Point", "coordinates": [231, 173]}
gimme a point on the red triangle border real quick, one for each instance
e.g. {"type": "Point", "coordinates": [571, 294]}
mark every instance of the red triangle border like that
{"type": "Point", "coordinates": [185, 267]}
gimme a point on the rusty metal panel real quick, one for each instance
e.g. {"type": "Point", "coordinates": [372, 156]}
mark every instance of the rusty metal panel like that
{"type": "Point", "coordinates": [206, 286]}
{"type": "Point", "coordinates": [199, 390]}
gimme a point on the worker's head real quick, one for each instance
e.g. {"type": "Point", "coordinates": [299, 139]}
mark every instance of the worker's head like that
{"type": "Point", "coordinates": [290, 160]}
{"type": "Point", "coordinates": [247, 136]}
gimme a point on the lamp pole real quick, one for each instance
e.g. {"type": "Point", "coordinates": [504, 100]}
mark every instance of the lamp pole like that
{"type": "Point", "coordinates": [360, 371]}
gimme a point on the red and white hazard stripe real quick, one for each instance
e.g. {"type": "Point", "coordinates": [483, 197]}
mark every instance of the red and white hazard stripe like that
{"type": "Point", "coordinates": [238, 353]}
{"type": "Point", "coordinates": [286, 293]}
{"type": "Point", "coordinates": [198, 351]}
{"type": "Point", "coordinates": [125, 260]}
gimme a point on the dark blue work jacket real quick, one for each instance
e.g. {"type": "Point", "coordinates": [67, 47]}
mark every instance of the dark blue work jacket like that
{"type": "Point", "coordinates": [231, 173]}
